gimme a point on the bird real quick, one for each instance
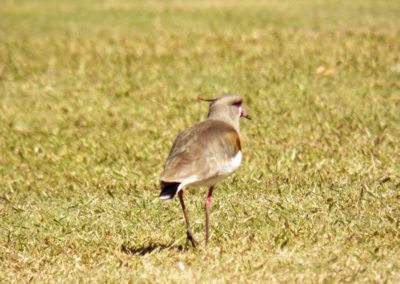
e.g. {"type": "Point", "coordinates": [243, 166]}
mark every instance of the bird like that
{"type": "Point", "coordinates": [203, 155]}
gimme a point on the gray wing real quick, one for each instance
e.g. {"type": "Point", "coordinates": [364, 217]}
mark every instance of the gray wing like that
{"type": "Point", "coordinates": [201, 151]}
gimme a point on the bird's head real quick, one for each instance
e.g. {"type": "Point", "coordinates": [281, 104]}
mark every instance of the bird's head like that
{"type": "Point", "coordinates": [227, 108]}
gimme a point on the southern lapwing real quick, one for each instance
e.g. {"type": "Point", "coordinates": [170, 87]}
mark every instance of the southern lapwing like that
{"type": "Point", "coordinates": [204, 154]}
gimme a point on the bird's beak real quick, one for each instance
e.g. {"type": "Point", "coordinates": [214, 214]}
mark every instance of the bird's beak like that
{"type": "Point", "coordinates": [245, 114]}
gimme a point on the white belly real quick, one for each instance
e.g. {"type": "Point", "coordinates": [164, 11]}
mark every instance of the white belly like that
{"type": "Point", "coordinates": [232, 165]}
{"type": "Point", "coordinates": [226, 169]}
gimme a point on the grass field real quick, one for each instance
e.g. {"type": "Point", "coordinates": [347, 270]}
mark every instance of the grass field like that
{"type": "Point", "coordinates": [92, 94]}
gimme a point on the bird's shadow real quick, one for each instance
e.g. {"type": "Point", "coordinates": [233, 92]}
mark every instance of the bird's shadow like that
{"type": "Point", "coordinates": [146, 249]}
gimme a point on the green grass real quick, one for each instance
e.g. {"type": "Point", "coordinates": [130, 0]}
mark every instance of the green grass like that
{"type": "Point", "coordinates": [92, 94]}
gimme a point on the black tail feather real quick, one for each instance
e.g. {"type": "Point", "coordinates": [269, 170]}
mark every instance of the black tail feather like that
{"type": "Point", "coordinates": [168, 190]}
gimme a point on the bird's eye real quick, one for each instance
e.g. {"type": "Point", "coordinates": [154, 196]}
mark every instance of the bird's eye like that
{"type": "Point", "coordinates": [238, 104]}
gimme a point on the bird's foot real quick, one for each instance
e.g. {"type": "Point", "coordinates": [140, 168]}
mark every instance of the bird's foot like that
{"type": "Point", "coordinates": [190, 239]}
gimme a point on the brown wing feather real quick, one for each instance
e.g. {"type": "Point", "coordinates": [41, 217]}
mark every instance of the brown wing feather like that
{"type": "Point", "coordinates": [200, 151]}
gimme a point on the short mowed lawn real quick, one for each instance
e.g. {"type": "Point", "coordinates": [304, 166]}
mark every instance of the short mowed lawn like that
{"type": "Point", "coordinates": [93, 93]}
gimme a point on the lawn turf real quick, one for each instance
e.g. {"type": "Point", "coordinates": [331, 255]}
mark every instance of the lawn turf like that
{"type": "Point", "coordinates": [92, 94]}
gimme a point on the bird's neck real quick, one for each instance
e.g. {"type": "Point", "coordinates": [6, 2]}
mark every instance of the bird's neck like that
{"type": "Point", "coordinates": [225, 114]}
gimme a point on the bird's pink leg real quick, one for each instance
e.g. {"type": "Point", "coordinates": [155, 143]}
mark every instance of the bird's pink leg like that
{"type": "Point", "coordinates": [208, 206]}
{"type": "Point", "coordinates": [189, 235]}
